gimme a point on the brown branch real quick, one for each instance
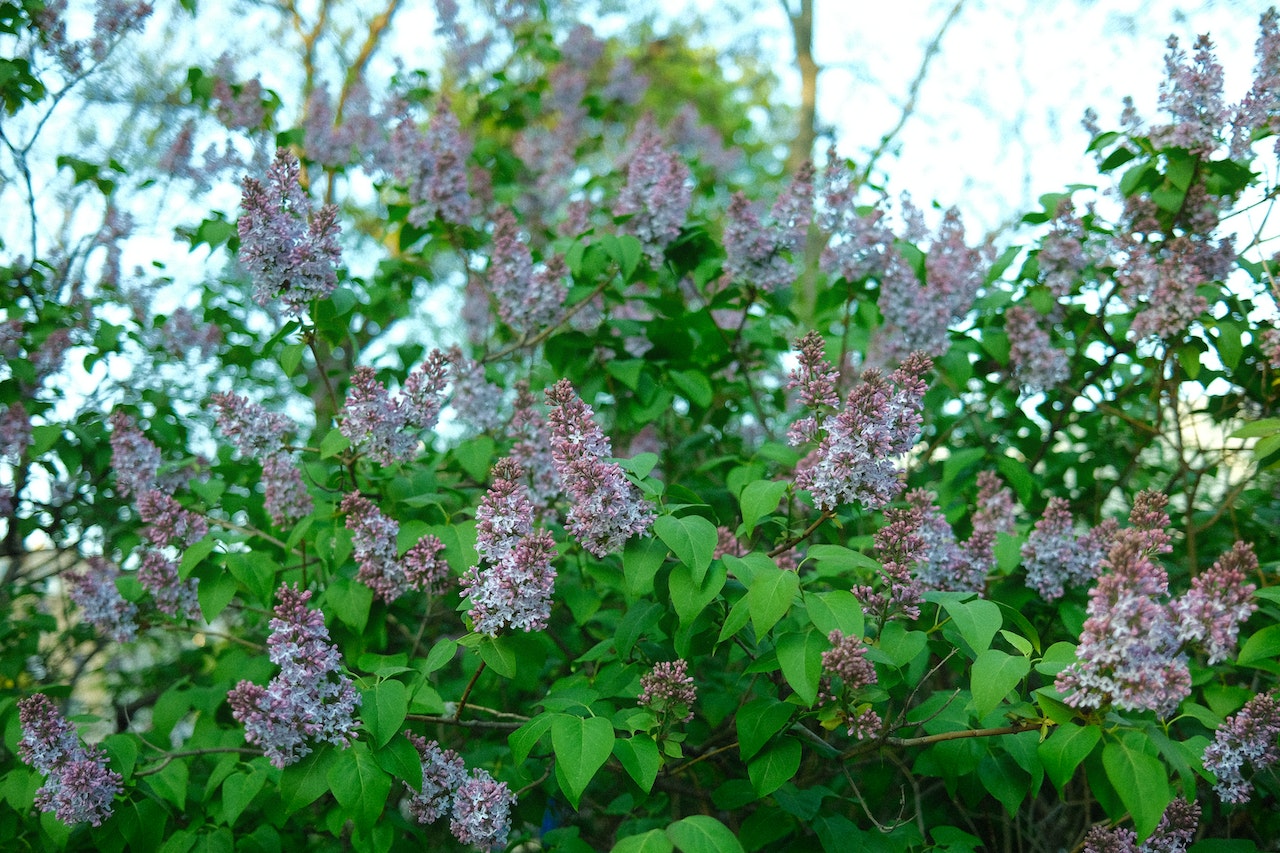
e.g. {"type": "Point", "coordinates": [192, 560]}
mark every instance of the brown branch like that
{"type": "Point", "coordinates": [466, 724]}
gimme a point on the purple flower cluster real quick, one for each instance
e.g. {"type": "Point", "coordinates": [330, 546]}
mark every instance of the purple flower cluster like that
{"type": "Point", "coordinates": [173, 596]}
{"type": "Point", "coordinates": [94, 591]}
{"type": "Point", "coordinates": [527, 299]}
{"type": "Point", "coordinates": [847, 661]}
{"type": "Point", "coordinates": [1055, 557]}
{"type": "Point", "coordinates": [657, 193]}
{"type": "Point", "coordinates": [668, 690]}
{"type": "Point", "coordinates": [1260, 108]}
{"type": "Point", "coordinates": [476, 400]}
{"type": "Point", "coordinates": [384, 426]}
{"type": "Point", "coordinates": [532, 449]}
{"type": "Point", "coordinates": [817, 381]}
{"type": "Point", "coordinates": [1246, 737]}
{"type": "Point", "coordinates": [259, 434]}
{"type": "Point", "coordinates": [478, 805]}
{"type": "Point", "coordinates": [374, 539]}
{"type": "Point", "coordinates": [1165, 285]}
{"type": "Point", "coordinates": [606, 509]}
{"type": "Point", "coordinates": [183, 335]}
{"type": "Point", "coordinates": [900, 546]}
{"type": "Point", "coordinates": [1133, 649]}
{"type": "Point", "coordinates": [15, 432]}
{"type": "Point", "coordinates": [334, 141]}
{"type": "Point", "coordinates": [511, 585]}
{"type": "Point", "coordinates": [1191, 94]}
{"type": "Point", "coordinates": [1218, 603]}
{"type": "Point", "coordinates": [1035, 362]}
{"type": "Point", "coordinates": [860, 245]}
{"type": "Point", "coordinates": [311, 699]}
{"type": "Point", "coordinates": [1062, 257]}
{"type": "Point", "coordinates": [290, 254]}
{"type": "Point", "coordinates": [880, 421]}
{"type": "Point", "coordinates": [918, 316]}
{"type": "Point", "coordinates": [759, 254]}
{"type": "Point", "coordinates": [1174, 833]}
{"type": "Point", "coordinates": [432, 166]}
{"type": "Point", "coordinates": [134, 458]}
{"type": "Point", "coordinates": [948, 564]}
{"type": "Point", "coordinates": [78, 787]}
{"type": "Point", "coordinates": [169, 522]}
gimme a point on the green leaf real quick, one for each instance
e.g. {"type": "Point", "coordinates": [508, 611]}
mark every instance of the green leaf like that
{"type": "Point", "coordinates": [333, 443]}
{"type": "Point", "coordinates": [689, 598]}
{"type": "Point", "coordinates": [695, 387]}
{"type": "Point", "coordinates": [737, 619]}
{"type": "Point", "coordinates": [1065, 750]}
{"type": "Point", "coordinates": [758, 500]}
{"type": "Point", "coordinates": [582, 745]}
{"type": "Point", "coordinates": [43, 438]}
{"type": "Point", "coordinates": [758, 721]}
{"type": "Point", "coordinates": [1263, 646]}
{"type": "Point", "coordinates": [500, 654]}
{"type": "Point", "coordinates": [170, 784]}
{"type": "Point", "coordinates": [703, 834]}
{"type": "Point", "coordinates": [800, 656]}
{"type": "Point", "coordinates": [302, 784]}
{"type": "Point", "coordinates": [994, 675]}
{"type": "Point", "coordinates": [257, 572]}
{"type": "Point", "coordinates": [195, 555]}
{"type": "Point", "coordinates": [350, 602]}
{"type": "Point", "coordinates": [653, 841]}
{"type": "Point", "coordinates": [977, 619]}
{"type": "Point", "coordinates": [1228, 344]}
{"type": "Point", "coordinates": [359, 785]}
{"type": "Point", "coordinates": [1258, 428]}
{"type": "Point", "coordinates": [475, 455]}
{"type": "Point", "coordinates": [1140, 781]}
{"type": "Point", "coordinates": [383, 708]}
{"type": "Point", "coordinates": [123, 752]}
{"type": "Point", "coordinates": [626, 370]}
{"type": "Point", "coordinates": [238, 790]}
{"type": "Point", "coordinates": [639, 756]}
{"type": "Point", "coordinates": [900, 645]}
{"type": "Point", "coordinates": [291, 357]}
{"type": "Point", "coordinates": [635, 622]}
{"type": "Point", "coordinates": [691, 538]}
{"type": "Point", "coordinates": [524, 739]}
{"type": "Point", "coordinates": [400, 758]}
{"type": "Point", "coordinates": [770, 596]}
{"type": "Point", "coordinates": [215, 592]}
{"type": "Point", "coordinates": [641, 559]}
{"type": "Point", "coordinates": [835, 610]}
{"type": "Point", "coordinates": [439, 656]}
{"type": "Point", "coordinates": [774, 767]}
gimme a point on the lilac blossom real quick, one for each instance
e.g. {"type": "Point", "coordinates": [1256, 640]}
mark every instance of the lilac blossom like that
{"type": "Point", "coordinates": [860, 244]}
{"type": "Point", "coordinates": [482, 811]}
{"type": "Point", "coordinates": [422, 390]}
{"type": "Point", "coordinates": [532, 449]}
{"type": "Point", "coordinates": [254, 431]}
{"type": "Point", "coordinates": [169, 522]}
{"type": "Point", "coordinates": [668, 689]}
{"type": "Point", "coordinates": [476, 400]}
{"type": "Point", "coordinates": [183, 335]}
{"type": "Point", "coordinates": [15, 432]}
{"type": "Point", "coordinates": [1129, 653]}
{"type": "Point", "coordinates": [1173, 834]}
{"type": "Point", "coordinates": [1062, 256]}
{"type": "Point", "coordinates": [1165, 286]}
{"type": "Point", "coordinates": [78, 786]}
{"type": "Point", "coordinates": [527, 298]}
{"type": "Point", "coordinates": [1034, 361]}
{"type": "Point", "coordinates": [285, 496]}
{"type": "Point", "coordinates": [899, 546]}
{"type": "Point", "coordinates": [762, 255]}
{"type": "Point", "coordinates": [424, 568]}
{"type": "Point", "coordinates": [657, 193]}
{"type": "Point", "coordinates": [239, 106]}
{"type": "Point", "coordinates": [290, 254]}
{"type": "Point", "coordinates": [1191, 94]}
{"type": "Point", "coordinates": [173, 596]}
{"type": "Point", "coordinates": [94, 591]}
{"type": "Point", "coordinates": [817, 381]}
{"type": "Point", "coordinates": [918, 315]}
{"type": "Point", "coordinates": [1211, 612]}
{"type": "Point", "coordinates": [51, 353]}
{"type": "Point", "coordinates": [606, 510]}
{"type": "Point", "coordinates": [435, 173]}
{"type": "Point", "coordinates": [374, 538]}
{"type": "Point", "coordinates": [1055, 557]}
{"type": "Point", "coordinates": [134, 458]}
{"type": "Point", "coordinates": [311, 699]}
{"type": "Point", "coordinates": [375, 422]}
{"type": "Point", "coordinates": [443, 773]}
{"type": "Point", "coordinates": [1260, 109]}
{"type": "Point", "coordinates": [847, 661]}
{"type": "Point", "coordinates": [1247, 737]}
{"type": "Point", "coordinates": [879, 421]}
{"type": "Point", "coordinates": [511, 585]}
